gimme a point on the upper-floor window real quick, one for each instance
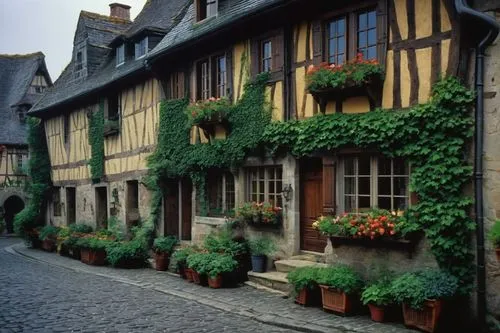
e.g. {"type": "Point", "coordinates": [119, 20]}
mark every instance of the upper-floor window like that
{"type": "Point", "coordinates": [38, 84]}
{"type": "Point", "coordinates": [211, 77]}
{"type": "Point", "coordinates": [348, 35]}
{"type": "Point", "coordinates": [141, 48]}
{"type": "Point", "coordinates": [79, 61]}
{"type": "Point", "coordinates": [176, 85]}
{"type": "Point", "coordinates": [113, 107]}
{"type": "Point", "coordinates": [120, 55]}
{"type": "Point", "coordinates": [205, 9]}
{"type": "Point", "coordinates": [266, 53]}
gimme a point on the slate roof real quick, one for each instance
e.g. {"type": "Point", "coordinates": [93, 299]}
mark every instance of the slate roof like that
{"type": "Point", "coordinates": [156, 15]}
{"type": "Point", "coordinates": [102, 29]}
{"type": "Point", "coordinates": [16, 74]}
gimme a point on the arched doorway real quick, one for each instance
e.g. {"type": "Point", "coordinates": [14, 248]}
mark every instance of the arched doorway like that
{"type": "Point", "coordinates": [12, 206]}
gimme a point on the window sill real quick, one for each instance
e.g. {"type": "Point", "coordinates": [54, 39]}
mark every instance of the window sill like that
{"type": "Point", "coordinates": [205, 20]}
{"type": "Point", "coordinates": [213, 221]}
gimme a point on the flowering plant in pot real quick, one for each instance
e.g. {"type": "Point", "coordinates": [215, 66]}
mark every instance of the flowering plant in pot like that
{"type": "Point", "coordinates": [304, 281]}
{"type": "Point", "coordinates": [163, 247]}
{"type": "Point", "coordinates": [494, 237]}
{"type": "Point", "coordinates": [338, 285]}
{"type": "Point", "coordinates": [249, 212]}
{"type": "Point", "coordinates": [260, 248]}
{"type": "Point", "coordinates": [217, 265]}
{"type": "Point", "coordinates": [180, 256]}
{"type": "Point", "coordinates": [378, 296]}
{"type": "Point", "coordinates": [212, 110]}
{"type": "Point", "coordinates": [48, 236]}
{"type": "Point", "coordinates": [422, 294]}
{"type": "Point", "coordinates": [93, 247]}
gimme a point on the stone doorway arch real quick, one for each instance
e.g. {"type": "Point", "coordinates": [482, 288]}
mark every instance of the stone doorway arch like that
{"type": "Point", "coordinates": [13, 205]}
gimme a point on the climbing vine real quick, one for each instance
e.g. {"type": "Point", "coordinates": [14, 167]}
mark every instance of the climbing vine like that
{"type": "Point", "coordinates": [39, 172]}
{"type": "Point", "coordinates": [96, 141]}
{"type": "Point", "coordinates": [432, 137]}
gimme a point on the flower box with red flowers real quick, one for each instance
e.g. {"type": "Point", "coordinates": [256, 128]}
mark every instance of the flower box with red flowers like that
{"type": "Point", "coordinates": [260, 214]}
{"type": "Point", "coordinates": [357, 77]}
{"type": "Point", "coordinates": [209, 113]}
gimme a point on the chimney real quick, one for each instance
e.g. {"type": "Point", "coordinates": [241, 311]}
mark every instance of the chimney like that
{"type": "Point", "coordinates": [120, 10]}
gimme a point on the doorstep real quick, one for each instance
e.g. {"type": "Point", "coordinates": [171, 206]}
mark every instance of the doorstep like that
{"type": "Point", "coordinates": [272, 280]}
{"type": "Point", "coordinates": [289, 265]}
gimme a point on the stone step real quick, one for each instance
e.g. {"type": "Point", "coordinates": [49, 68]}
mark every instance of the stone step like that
{"type": "Point", "coordinates": [273, 280]}
{"type": "Point", "coordinates": [285, 266]}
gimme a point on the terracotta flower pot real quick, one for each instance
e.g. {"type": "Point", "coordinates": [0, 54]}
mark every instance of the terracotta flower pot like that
{"type": "Point", "coordinates": [216, 282]}
{"type": "Point", "coordinates": [308, 297]}
{"type": "Point", "coordinates": [335, 300]}
{"type": "Point", "coordinates": [498, 253]}
{"type": "Point", "coordinates": [162, 260]}
{"type": "Point", "coordinates": [377, 313]}
{"type": "Point", "coordinates": [425, 319]}
{"type": "Point", "coordinates": [189, 274]}
{"type": "Point", "coordinates": [48, 245]}
{"type": "Point", "coordinates": [93, 257]}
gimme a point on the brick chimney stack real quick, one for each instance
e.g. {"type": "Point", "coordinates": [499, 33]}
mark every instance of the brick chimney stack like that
{"type": "Point", "coordinates": [120, 10]}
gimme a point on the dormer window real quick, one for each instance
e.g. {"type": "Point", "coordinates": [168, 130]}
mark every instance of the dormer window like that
{"type": "Point", "coordinates": [206, 9]}
{"type": "Point", "coordinates": [120, 55]}
{"type": "Point", "coordinates": [80, 62]}
{"type": "Point", "coordinates": [38, 84]}
{"type": "Point", "coordinates": [141, 48]}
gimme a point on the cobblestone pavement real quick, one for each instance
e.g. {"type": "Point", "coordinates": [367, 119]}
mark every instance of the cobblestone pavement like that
{"type": "Point", "coordinates": [159, 299]}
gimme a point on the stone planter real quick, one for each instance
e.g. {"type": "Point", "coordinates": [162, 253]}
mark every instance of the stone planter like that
{"type": "Point", "coordinates": [216, 282]}
{"type": "Point", "coordinates": [308, 297]}
{"type": "Point", "coordinates": [48, 245]}
{"type": "Point", "coordinates": [425, 319]}
{"type": "Point", "coordinates": [377, 313]}
{"type": "Point", "coordinates": [93, 257]}
{"type": "Point", "coordinates": [162, 260]}
{"type": "Point", "coordinates": [335, 300]}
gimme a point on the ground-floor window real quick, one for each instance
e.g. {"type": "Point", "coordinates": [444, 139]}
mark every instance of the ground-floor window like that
{"type": "Point", "coordinates": [220, 193]}
{"type": "Point", "coordinates": [373, 181]}
{"type": "Point", "coordinates": [56, 201]}
{"type": "Point", "coordinates": [264, 184]}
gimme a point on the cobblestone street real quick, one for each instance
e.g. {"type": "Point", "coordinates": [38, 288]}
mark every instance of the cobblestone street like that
{"type": "Point", "coordinates": [35, 297]}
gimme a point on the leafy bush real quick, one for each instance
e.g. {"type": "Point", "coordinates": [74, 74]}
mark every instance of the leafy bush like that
{"type": "Point", "coordinates": [223, 242]}
{"type": "Point", "coordinates": [180, 256]}
{"type": "Point", "coordinates": [80, 228]}
{"type": "Point", "coordinates": [121, 253]}
{"type": "Point", "coordinates": [494, 234]}
{"type": "Point", "coordinates": [415, 288]}
{"type": "Point", "coordinates": [304, 277]}
{"type": "Point", "coordinates": [25, 220]}
{"type": "Point", "coordinates": [199, 261]}
{"type": "Point", "coordinates": [379, 293]}
{"type": "Point", "coordinates": [94, 242]}
{"type": "Point", "coordinates": [219, 264]}
{"type": "Point", "coordinates": [205, 110]}
{"type": "Point", "coordinates": [261, 246]}
{"type": "Point", "coordinates": [165, 244]}
{"type": "Point", "coordinates": [115, 227]}
{"type": "Point", "coordinates": [340, 277]}
{"type": "Point", "coordinates": [48, 232]}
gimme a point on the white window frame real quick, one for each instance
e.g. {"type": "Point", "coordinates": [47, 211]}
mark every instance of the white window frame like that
{"type": "Point", "coordinates": [120, 55]}
{"type": "Point", "coordinates": [277, 196]}
{"type": "Point", "coordinates": [374, 176]}
{"type": "Point", "coordinates": [224, 204]}
{"type": "Point", "coordinates": [140, 45]}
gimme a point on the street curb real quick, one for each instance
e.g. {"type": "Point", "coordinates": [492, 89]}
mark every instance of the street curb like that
{"type": "Point", "coordinates": [247, 312]}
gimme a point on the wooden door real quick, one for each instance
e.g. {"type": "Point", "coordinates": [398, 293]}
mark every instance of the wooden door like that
{"type": "Point", "coordinates": [101, 198]}
{"type": "Point", "coordinates": [171, 208]}
{"type": "Point", "coordinates": [187, 190]}
{"type": "Point", "coordinates": [71, 205]}
{"type": "Point", "coordinates": [311, 204]}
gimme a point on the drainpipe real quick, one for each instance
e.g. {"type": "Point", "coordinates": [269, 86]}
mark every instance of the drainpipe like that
{"type": "Point", "coordinates": [484, 39]}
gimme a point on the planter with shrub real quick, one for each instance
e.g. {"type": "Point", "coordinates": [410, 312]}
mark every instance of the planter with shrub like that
{"type": "Point", "coordinates": [219, 264]}
{"type": "Point", "coordinates": [127, 254]}
{"type": "Point", "coordinates": [180, 256]}
{"type": "Point", "coordinates": [260, 248]}
{"type": "Point", "coordinates": [378, 296]}
{"type": "Point", "coordinates": [306, 289]}
{"type": "Point", "coordinates": [494, 237]}
{"type": "Point", "coordinates": [198, 263]}
{"type": "Point", "coordinates": [48, 236]}
{"type": "Point", "coordinates": [163, 248]}
{"type": "Point", "coordinates": [339, 285]}
{"type": "Point", "coordinates": [422, 294]}
{"type": "Point", "coordinates": [93, 249]}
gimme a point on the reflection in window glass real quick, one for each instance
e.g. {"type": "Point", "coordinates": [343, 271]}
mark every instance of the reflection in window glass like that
{"type": "Point", "coordinates": [367, 34]}
{"type": "Point", "coordinates": [337, 41]}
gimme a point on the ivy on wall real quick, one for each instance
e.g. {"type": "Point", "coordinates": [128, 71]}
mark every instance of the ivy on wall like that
{"type": "Point", "coordinates": [96, 141]}
{"type": "Point", "coordinates": [39, 172]}
{"type": "Point", "coordinates": [432, 137]}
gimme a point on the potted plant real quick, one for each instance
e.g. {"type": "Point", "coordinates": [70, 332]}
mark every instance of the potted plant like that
{"type": "Point", "coordinates": [217, 265]}
{"type": "Point", "coordinates": [208, 112]}
{"type": "Point", "coordinates": [93, 248]}
{"type": "Point", "coordinates": [62, 236]}
{"type": "Point", "coordinates": [378, 296]}
{"type": "Point", "coordinates": [180, 256]}
{"type": "Point", "coordinates": [249, 212]}
{"type": "Point", "coordinates": [305, 286]}
{"type": "Point", "coordinates": [260, 248]}
{"type": "Point", "coordinates": [48, 236]}
{"type": "Point", "coordinates": [422, 294]}
{"type": "Point", "coordinates": [77, 231]}
{"type": "Point", "coordinates": [494, 236]}
{"type": "Point", "coordinates": [338, 286]}
{"type": "Point", "coordinates": [198, 263]}
{"type": "Point", "coordinates": [163, 247]}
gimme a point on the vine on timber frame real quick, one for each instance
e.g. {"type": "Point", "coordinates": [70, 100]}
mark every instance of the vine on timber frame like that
{"type": "Point", "coordinates": [96, 141]}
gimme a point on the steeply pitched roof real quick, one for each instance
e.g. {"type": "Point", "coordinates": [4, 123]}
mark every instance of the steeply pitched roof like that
{"type": "Point", "coordinates": [102, 29]}
{"type": "Point", "coordinates": [16, 75]}
{"type": "Point", "coordinates": [157, 15]}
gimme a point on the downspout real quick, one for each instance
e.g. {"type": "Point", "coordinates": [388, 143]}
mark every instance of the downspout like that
{"type": "Point", "coordinates": [483, 41]}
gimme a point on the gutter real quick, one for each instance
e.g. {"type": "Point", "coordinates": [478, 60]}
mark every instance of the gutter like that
{"type": "Point", "coordinates": [491, 30]}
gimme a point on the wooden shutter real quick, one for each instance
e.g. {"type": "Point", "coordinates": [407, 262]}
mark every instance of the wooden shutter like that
{"type": "Point", "coordinates": [317, 42]}
{"type": "Point", "coordinates": [382, 31]}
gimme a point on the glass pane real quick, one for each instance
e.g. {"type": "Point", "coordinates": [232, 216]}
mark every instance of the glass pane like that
{"type": "Point", "coordinates": [341, 27]}
{"type": "Point", "coordinates": [384, 185]}
{"type": "Point", "coordinates": [271, 187]}
{"type": "Point", "coordinates": [362, 21]}
{"type": "Point", "coordinates": [362, 39]}
{"type": "Point", "coordinates": [349, 203]}
{"type": "Point", "coordinates": [364, 166]}
{"type": "Point", "coordinates": [400, 203]}
{"type": "Point", "coordinates": [333, 47]}
{"type": "Point", "coordinates": [372, 19]}
{"type": "Point", "coordinates": [400, 185]}
{"type": "Point", "coordinates": [364, 185]}
{"type": "Point", "coordinates": [384, 166]}
{"type": "Point", "coordinates": [333, 29]}
{"type": "Point", "coordinates": [364, 202]}
{"type": "Point", "coordinates": [261, 173]}
{"type": "Point", "coordinates": [279, 187]}
{"type": "Point", "coordinates": [349, 185]}
{"type": "Point", "coordinates": [349, 166]}
{"type": "Point", "coordinates": [341, 45]}
{"type": "Point", "coordinates": [372, 37]}
{"type": "Point", "coordinates": [254, 187]}
{"type": "Point", "coordinates": [400, 167]}
{"type": "Point", "coordinates": [371, 53]}
{"type": "Point", "coordinates": [341, 59]}
{"type": "Point", "coordinates": [384, 203]}
{"type": "Point", "coordinates": [222, 64]}
{"type": "Point", "coordinates": [280, 201]}
{"type": "Point", "coordinates": [261, 198]}
{"type": "Point", "coordinates": [261, 186]}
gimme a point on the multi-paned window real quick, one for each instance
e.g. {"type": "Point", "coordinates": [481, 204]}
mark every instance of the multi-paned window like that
{"type": "Point", "coordinates": [79, 61]}
{"type": "Point", "coordinates": [350, 34]}
{"type": "Point", "coordinates": [266, 53]}
{"type": "Point", "coordinates": [20, 163]}
{"type": "Point", "coordinates": [221, 193]}
{"type": "Point", "coordinates": [373, 181]}
{"type": "Point", "coordinates": [120, 55]}
{"type": "Point", "coordinates": [265, 184]}
{"type": "Point", "coordinates": [212, 77]}
{"type": "Point", "coordinates": [205, 9]}
{"type": "Point", "coordinates": [141, 48]}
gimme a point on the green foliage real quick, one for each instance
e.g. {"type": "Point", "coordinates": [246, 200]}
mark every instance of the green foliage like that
{"type": "Point", "coordinates": [39, 172]}
{"type": "Point", "coordinates": [116, 227]}
{"type": "Point", "coordinates": [80, 228]}
{"type": "Point", "coordinates": [180, 256]}
{"type": "Point", "coordinates": [123, 253]}
{"type": "Point", "coordinates": [379, 292]}
{"type": "Point", "coordinates": [340, 277]}
{"type": "Point", "coordinates": [494, 234]}
{"type": "Point", "coordinates": [211, 264]}
{"type": "Point", "coordinates": [304, 277]}
{"type": "Point", "coordinates": [432, 137]}
{"type": "Point", "coordinates": [222, 242]}
{"type": "Point", "coordinates": [262, 246]}
{"type": "Point", "coordinates": [49, 232]}
{"type": "Point", "coordinates": [96, 141]}
{"type": "Point", "coordinates": [415, 288]}
{"type": "Point", "coordinates": [165, 244]}
{"type": "Point", "coordinates": [206, 110]}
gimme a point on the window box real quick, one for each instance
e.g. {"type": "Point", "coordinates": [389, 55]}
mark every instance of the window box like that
{"type": "Point", "coordinates": [111, 127]}
{"type": "Point", "coordinates": [260, 215]}
{"type": "Point", "coordinates": [339, 82]}
{"type": "Point", "coordinates": [209, 114]}
{"type": "Point", "coordinates": [407, 245]}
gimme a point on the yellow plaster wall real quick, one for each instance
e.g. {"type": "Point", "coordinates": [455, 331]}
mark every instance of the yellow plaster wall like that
{"type": "Point", "coordinates": [241, 72]}
{"type": "Point", "coordinates": [445, 18]}
{"type": "Point", "coordinates": [356, 105]}
{"type": "Point", "coordinates": [401, 17]}
{"type": "Point", "coordinates": [300, 35]}
{"type": "Point", "coordinates": [277, 103]}
{"type": "Point", "coordinates": [405, 80]}
{"type": "Point", "coordinates": [445, 53]}
{"type": "Point", "coordinates": [423, 18]}
{"type": "Point", "coordinates": [387, 97]}
{"type": "Point", "coordinates": [424, 73]}
{"type": "Point", "coordinates": [8, 162]}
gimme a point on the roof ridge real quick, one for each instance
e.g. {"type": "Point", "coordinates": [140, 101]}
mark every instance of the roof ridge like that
{"type": "Point", "coordinates": [22, 56]}
{"type": "Point", "coordinates": [113, 19]}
